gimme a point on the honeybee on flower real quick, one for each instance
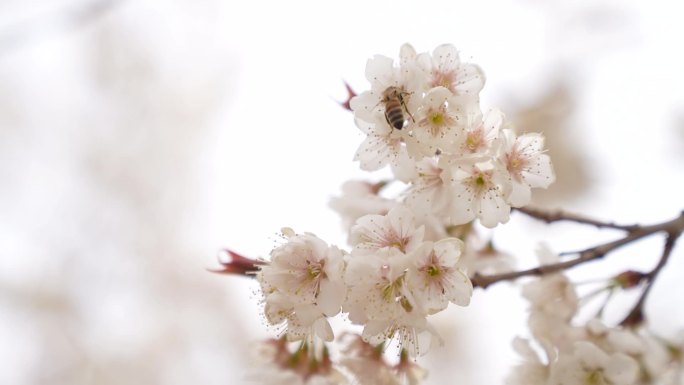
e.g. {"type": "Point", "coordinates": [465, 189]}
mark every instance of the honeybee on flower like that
{"type": "Point", "coordinates": [394, 101]}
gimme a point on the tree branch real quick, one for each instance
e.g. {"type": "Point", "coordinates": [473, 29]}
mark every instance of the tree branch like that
{"type": "Point", "coordinates": [559, 215]}
{"type": "Point", "coordinates": [673, 227]}
{"type": "Point", "coordinates": [636, 316]}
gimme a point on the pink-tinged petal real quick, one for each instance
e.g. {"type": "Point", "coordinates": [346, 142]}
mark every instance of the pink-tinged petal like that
{"type": "Point", "coordinates": [424, 62]}
{"type": "Point", "coordinates": [540, 172]}
{"type": "Point", "coordinates": [460, 289]}
{"type": "Point", "coordinates": [365, 105]}
{"type": "Point", "coordinates": [441, 199]}
{"type": "Point", "coordinates": [322, 329]}
{"type": "Point", "coordinates": [462, 206]}
{"type": "Point", "coordinates": [374, 332]}
{"type": "Point", "coordinates": [449, 251]}
{"type": "Point", "coordinates": [520, 194]}
{"type": "Point", "coordinates": [622, 369]}
{"type": "Point", "coordinates": [369, 229]}
{"type": "Point", "coordinates": [397, 261]}
{"type": "Point", "coordinates": [380, 71]}
{"type": "Point", "coordinates": [501, 179]}
{"type": "Point", "coordinates": [331, 296]}
{"type": "Point", "coordinates": [401, 220]}
{"type": "Point", "coordinates": [403, 167]}
{"type": "Point", "coordinates": [591, 355]}
{"type": "Point", "coordinates": [470, 80]}
{"type": "Point", "coordinates": [373, 153]}
{"type": "Point", "coordinates": [436, 97]}
{"type": "Point", "coordinates": [366, 127]}
{"type": "Point", "coordinates": [421, 255]}
{"type": "Point", "coordinates": [416, 238]}
{"type": "Point", "coordinates": [493, 209]}
{"type": "Point", "coordinates": [531, 143]}
{"type": "Point", "coordinates": [307, 314]}
{"type": "Point", "coordinates": [334, 264]}
{"type": "Point", "coordinates": [446, 57]}
{"type": "Point", "coordinates": [277, 308]}
{"type": "Point", "coordinates": [567, 371]}
{"type": "Point", "coordinates": [406, 53]}
{"type": "Point", "coordinates": [493, 120]}
{"type": "Point", "coordinates": [394, 230]}
{"type": "Point", "coordinates": [319, 249]}
{"type": "Point", "coordinates": [523, 348]}
{"type": "Point", "coordinates": [425, 341]}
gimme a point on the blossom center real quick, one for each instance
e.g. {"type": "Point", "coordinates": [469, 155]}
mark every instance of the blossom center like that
{"type": "Point", "coordinates": [437, 119]}
{"type": "Point", "coordinates": [391, 293]}
{"type": "Point", "coordinates": [444, 79]}
{"type": "Point", "coordinates": [515, 161]}
{"type": "Point", "coordinates": [475, 140]}
{"type": "Point", "coordinates": [481, 180]}
{"type": "Point", "coordinates": [595, 377]}
{"type": "Point", "coordinates": [314, 271]}
{"type": "Point", "coordinates": [433, 271]}
{"type": "Point", "coordinates": [310, 278]}
{"type": "Point", "coordinates": [396, 241]}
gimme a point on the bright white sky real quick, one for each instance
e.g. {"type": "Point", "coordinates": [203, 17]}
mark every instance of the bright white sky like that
{"type": "Point", "coordinates": [271, 146]}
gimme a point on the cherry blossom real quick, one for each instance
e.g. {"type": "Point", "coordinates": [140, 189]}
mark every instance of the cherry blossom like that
{"type": "Point", "coordinates": [427, 193]}
{"type": "Point", "coordinates": [480, 188]}
{"type": "Point", "coordinates": [482, 133]}
{"type": "Point", "coordinates": [438, 123]}
{"type": "Point", "coordinates": [274, 364]}
{"type": "Point", "coordinates": [303, 284]}
{"type": "Point", "coordinates": [360, 198]}
{"type": "Point", "coordinates": [589, 365]}
{"type": "Point", "coordinates": [436, 279]}
{"type": "Point", "coordinates": [446, 70]}
{"type": "Point", "coordinates": [396, 229]}
{"type": "Point", "coordinates": [527, 165]}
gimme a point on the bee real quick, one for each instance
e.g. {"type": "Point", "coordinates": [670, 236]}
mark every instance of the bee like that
{"type": "Point", "coordinates": [394, 99]}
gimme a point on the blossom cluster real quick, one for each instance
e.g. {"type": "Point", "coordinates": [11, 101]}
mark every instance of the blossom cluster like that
{"type": "Point", "coordinates": [412, 255]}
{"type": "Point", "coordinates": [360, 364]}
{"type": "Point", "coordinates": [459, 162]}
{"type": "Point", "coordinates": [390, 281]}
{"type": "Point", "coordinates": [421, 116]}
{"type": "Point", "coordinates": [589, 352]}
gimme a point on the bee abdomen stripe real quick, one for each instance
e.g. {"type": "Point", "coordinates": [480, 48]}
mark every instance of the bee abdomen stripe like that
{"type": "Point", "coordinates": [397, 121]}
{"type": "Point", "coordinates": [395, 114]}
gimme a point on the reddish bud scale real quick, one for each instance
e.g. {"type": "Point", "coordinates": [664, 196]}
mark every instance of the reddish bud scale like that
{"type": "Point", "coordinates": [629, 279]}
{"type": "Point", "coordinates": [350, 95]}
{"type": "Point", "coordinates": [238, 265]}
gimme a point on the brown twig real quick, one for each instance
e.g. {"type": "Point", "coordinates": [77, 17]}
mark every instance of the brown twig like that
{"type": "Point", "coordinates": [673, 227]}
{"type": "Point", "coordinates": [558, 215]}
{"type": "Point", "coordinates": [636, 315]}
